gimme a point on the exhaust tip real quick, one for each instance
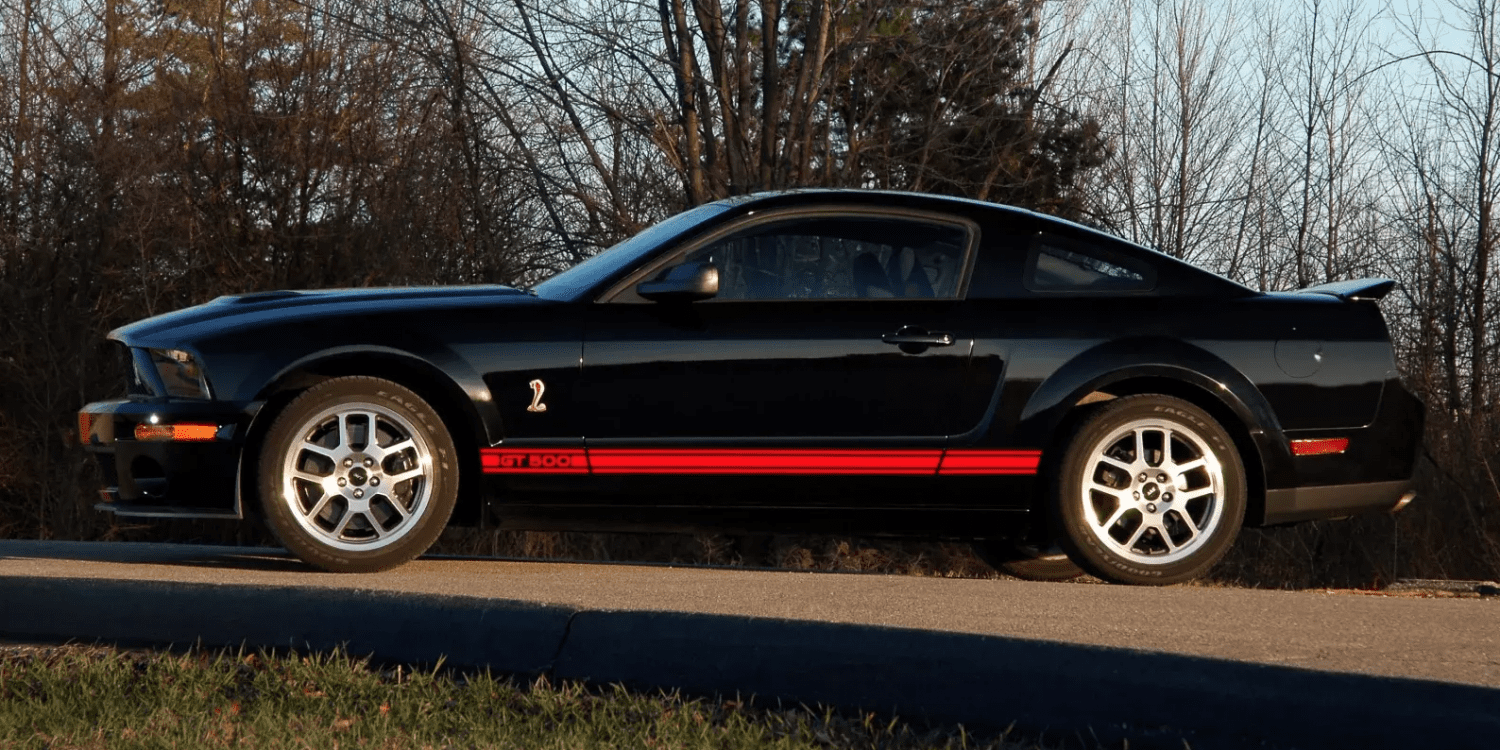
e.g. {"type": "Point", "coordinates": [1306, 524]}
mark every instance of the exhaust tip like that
{"type": "Point", "coordinates": [1404, 501]}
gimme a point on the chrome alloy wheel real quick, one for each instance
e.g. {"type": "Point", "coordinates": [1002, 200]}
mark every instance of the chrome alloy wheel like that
{"type": "Point", "coordinates": [358, 477]}
{"type": "Point", "coordinates": [1153, 492]}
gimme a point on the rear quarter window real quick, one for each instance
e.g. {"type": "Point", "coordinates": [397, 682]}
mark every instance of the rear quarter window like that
{"type": "Point", "coordinates": [1056, 264]}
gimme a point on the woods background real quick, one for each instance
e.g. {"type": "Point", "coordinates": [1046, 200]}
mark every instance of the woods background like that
{"type": "Point", "coordinates": [155, 155]}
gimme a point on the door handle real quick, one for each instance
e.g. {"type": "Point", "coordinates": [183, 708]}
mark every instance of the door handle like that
{"type": "Point", "coordinates": [913, 336]}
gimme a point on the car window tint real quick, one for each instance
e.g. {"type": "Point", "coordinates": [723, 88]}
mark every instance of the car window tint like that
{"type": "Point", "coordinates": [838, 258]}
{"type": "Point", "coordinates": [1056, 268]}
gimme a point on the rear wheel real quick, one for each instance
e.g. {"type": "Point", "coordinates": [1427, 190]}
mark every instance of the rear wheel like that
{"type": "Point", "coordinates": [1150, 491]}
{"type": "Point", "coordinates": [358, 475]}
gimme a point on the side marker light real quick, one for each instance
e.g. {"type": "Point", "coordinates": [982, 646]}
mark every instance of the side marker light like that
{"type": "Point", "coordinates": [190, 433]}
{"type": "Point", "coordinates": [1319, 447]}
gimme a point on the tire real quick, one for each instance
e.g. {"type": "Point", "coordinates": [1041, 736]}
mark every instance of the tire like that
{"type": "Point", "coordinates": [1150, 491]}
{"type": "Point", "coordinates": [1026, 562]}
{"type": "Point", "coordinates": [348, 504]}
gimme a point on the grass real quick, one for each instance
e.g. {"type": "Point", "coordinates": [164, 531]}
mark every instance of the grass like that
{"type": "Point", "coordinates": [96, 697]}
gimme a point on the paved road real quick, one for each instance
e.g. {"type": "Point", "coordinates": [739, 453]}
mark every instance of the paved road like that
{"type": "Point", "coordinates": [1455, 640]}
{"type": "Point", "coordinates": [1218, 667]}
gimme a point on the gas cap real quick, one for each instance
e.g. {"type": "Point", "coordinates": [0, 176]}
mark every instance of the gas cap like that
{"type": "Point", "coordinates": [1299, 359]}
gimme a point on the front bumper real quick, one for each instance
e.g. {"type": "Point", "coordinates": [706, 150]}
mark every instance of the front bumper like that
{"type": "Point", "coordinates": [161, 476]}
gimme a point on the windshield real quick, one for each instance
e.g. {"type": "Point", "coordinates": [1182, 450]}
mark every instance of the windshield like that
{"type": "Point", "coordinates": [570, 284]}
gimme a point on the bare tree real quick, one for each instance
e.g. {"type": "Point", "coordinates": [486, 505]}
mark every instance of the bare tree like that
{"type": "Point", "coordinates": [1172, 113]}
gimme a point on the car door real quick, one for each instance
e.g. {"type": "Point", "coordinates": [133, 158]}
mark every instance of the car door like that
{"type": "Point", "coordinates": [832, 347]}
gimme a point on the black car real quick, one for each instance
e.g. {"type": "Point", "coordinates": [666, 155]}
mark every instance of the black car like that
{"type": "Point", "coordinates": [848, 362]}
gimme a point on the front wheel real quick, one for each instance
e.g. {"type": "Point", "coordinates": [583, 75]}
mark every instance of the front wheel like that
{"type": "Point", "coordinates": [1150, 491]}
{"type": "Point", "coordinates": [358, 475]}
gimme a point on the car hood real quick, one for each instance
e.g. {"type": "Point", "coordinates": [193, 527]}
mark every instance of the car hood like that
{"type": "Point", "coordinates": [258, 308]}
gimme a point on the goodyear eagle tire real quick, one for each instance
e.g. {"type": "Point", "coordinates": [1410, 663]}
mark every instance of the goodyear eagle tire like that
{"type": "Point", "coordinates": [1150, 491]}
{"type": "Point", "coordinates": [358, 475]}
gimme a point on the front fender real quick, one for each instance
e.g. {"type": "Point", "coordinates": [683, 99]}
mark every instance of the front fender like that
{"type": "Point", "coordinates": [242, 365]}
{"type": "Point", "coordinates": [437, 365]}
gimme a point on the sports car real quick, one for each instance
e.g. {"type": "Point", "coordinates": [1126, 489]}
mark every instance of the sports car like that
{"type": "Point", "coordinates": [812, 361]}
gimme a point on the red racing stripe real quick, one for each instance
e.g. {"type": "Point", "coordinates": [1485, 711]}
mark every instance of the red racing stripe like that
{"type": "Point", "coordinates": [990, 462]}
{"type": "Point", "coordinates": [758, 461]}
{"type": "Point", "coordinates": [762, 461]}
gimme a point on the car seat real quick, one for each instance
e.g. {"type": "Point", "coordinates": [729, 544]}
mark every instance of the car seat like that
{"type": "Point", "coordinates": [870, 278]}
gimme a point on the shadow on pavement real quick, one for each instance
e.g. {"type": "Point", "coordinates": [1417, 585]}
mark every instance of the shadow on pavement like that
{"type": "Point", "coordinates": [1147, 698]}
{"type": "Point", "coordinates": [271, 559]}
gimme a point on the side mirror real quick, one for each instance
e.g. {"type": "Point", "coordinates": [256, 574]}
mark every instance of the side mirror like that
{"type": "Point", "coordinates": [684, 283]}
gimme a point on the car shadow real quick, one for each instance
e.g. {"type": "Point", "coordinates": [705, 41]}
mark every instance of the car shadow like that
{"type": "Point", "coordinates": [272, 559]}
{"type": "Point", "coordinates": [1105, 695]}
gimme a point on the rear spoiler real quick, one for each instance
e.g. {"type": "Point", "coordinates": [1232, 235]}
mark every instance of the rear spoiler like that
{"type": "Point", "coordinates": [1358, 289]}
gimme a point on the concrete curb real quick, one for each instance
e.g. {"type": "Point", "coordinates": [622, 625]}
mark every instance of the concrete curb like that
{"type": "Point", "coordinates": [981, 681]}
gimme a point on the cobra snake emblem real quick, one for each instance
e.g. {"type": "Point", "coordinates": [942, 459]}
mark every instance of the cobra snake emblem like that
{"type": "Point", "coordinates": [537, 389]}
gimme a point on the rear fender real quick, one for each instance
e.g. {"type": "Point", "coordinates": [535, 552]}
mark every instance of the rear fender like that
{"type": "Point", "coordinates": [1129, 366]}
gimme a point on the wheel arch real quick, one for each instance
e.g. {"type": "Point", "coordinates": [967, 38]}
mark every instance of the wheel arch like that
{"type": "Point", "coordinates": [469, 428]}
{"type": "Point", "coordinates": [1233, 423]}
{"type": "Point", "coordinates": [1170, 368]}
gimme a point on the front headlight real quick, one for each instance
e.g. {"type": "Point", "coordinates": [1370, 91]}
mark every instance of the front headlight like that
{"type": "Point", "coordinates": [179, 373]}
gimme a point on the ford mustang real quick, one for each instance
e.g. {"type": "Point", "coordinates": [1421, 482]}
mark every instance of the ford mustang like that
{"type": "Point", "coordinates": [850, 362]}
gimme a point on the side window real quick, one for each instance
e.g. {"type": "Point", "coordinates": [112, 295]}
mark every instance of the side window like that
{"type": "Point", "coordinates": [1057, 265]}
{"type": "Point", "coordinates": [838, 258]}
